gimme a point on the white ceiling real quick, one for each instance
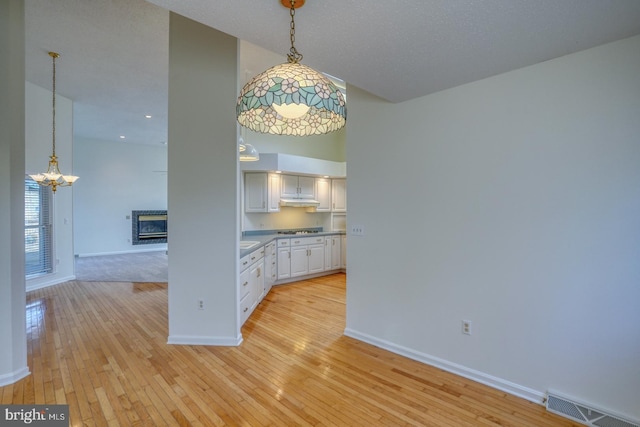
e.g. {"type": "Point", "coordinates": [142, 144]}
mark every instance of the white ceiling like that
{"type": "Point", "coordinates": [114, 53]}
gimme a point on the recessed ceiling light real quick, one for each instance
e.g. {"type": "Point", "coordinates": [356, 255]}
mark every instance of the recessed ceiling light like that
{"type": "Point", "coordinates": [147, 116]}
{"type": "Point", "coordinates": [122, 136]}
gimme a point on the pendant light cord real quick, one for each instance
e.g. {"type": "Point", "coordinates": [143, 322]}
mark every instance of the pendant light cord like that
{"type": "Point", "coordinates": [293, 56]}
{"type": "Point", "coordinates": [53, 138]}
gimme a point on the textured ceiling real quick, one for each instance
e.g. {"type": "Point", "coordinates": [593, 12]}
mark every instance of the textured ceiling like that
{"type": "Point", "coordinates": [114, 53]}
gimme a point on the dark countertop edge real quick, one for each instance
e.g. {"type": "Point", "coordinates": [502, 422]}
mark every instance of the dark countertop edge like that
{"type": "Point", "coordinates": [264, 239]}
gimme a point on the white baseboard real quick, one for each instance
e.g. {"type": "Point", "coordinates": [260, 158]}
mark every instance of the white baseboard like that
{"type": "Point", "coordinates": [463, 371]}
{"type": "Point", "coordinates": [202, 340]}
{"type": "Point", "coordinates": [164, 249]}
{"type": "Point", "coordinates": [13, 377]}
{"type": "Point", "coordinates": [39, 284]}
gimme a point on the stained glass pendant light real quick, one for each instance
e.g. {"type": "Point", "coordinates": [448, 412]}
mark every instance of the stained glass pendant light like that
{"type": "Point", "coordinates": [291, 98]}
{"type": "Point", "coordinates": [53, 177]}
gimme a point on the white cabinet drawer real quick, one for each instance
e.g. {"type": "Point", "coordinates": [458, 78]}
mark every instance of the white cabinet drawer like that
{"type": "Point", "coordinates": [255, 255]}
{"type": "Point", "coordinates": [245, 287]}
{"type": "Point", "coordinates": [307, 240]}
{"type": "Point", "coordinates": [284, 242]}
{"type": "Point", "coordinates": [245, 308]}
{"type": "Point", "coordinates": [245, 262]}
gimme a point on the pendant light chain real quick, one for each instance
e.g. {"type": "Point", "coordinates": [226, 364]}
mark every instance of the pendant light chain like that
{"type": "Point", "coordinates": [294, 56]}
{"type": "Point", "coordinates": [53, 138]}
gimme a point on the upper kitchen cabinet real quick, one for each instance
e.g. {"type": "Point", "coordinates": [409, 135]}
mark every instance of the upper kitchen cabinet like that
{"type": "Point", "coordinates": [339, 195]}
{"type": "Point", "coordinates": [297, 187]}
{"type": "Point", "coordinates": [323, 194]}
{"type": "Point", "coordinates": [261, 192]}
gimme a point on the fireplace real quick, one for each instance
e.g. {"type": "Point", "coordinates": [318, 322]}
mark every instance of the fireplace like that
{"type": "Point", "coordinates": [148, 227]}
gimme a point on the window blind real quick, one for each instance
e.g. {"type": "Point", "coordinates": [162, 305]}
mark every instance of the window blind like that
{"type": "Point", "coordinates": [38, 241]}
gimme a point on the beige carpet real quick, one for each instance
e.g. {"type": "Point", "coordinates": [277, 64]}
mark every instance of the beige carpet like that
{"type": "Point", "coordinates": [138, 267]}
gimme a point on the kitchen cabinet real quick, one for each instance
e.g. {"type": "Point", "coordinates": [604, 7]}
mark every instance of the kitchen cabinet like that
{"type": "Point", "coordinates": [327, 253]}
{"type": "Point", "coordinates": [252, 284]}
{"type": "Point", "coordinates": [261, 192]}
{"type": "Point", "coordinates": [343, 252]}
{"type": "Point", "coordinates": [284, 258]}
{"type": "Point", "coordinates": [333, 252]}
{"type": "Point", "coordinates": [255, 192]}
{"type": "Point", "coordinates": [323, 194]}
{"type": "Point", "coordinates": [336, 252]}
{"type": "Point", "coordinates": [270, 266]}
{"type": "Point", "coordinates": [307, 255]}
{"type": "Point", "coordinates": [297, 187]}
{"type": "Point", "coordinates": [339, 195]}
{"type": "Point", "coordinates": [273, 192]}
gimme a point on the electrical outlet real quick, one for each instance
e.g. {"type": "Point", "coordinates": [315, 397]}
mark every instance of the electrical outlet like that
{"type": "Point", "coordinates": [466, 327]}
{"type": "Point", "coordinates": [200, 304]}
{"type": "Point", "coordinates": [357, 230]}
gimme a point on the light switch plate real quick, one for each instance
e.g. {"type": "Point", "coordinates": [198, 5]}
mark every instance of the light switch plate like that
{"type": "Point", "coordinates": [357, 230]}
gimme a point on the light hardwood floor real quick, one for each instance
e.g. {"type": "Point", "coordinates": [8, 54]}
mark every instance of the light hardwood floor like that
{"type": "Point", "coordinates": [101, 348]}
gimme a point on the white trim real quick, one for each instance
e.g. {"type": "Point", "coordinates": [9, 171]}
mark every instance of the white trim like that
{"type": "Point", "coordinates": [13, 377]}
{"type": "Point", "coordinates": [122, 252]}
{"type": "Point", "coordinates": [486, 379]}
{"type": "Point", "coordinates": [46, 283]}
{"type": "Point", "coordinates": [203, 340]}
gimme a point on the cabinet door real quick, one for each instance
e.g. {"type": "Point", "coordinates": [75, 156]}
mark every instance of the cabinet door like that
{"type": "Point", "coordinates": [273, 195]}
{"type": "Point", "coordinates": [316, 258]}
{"type": "Point", "coordinates": [306, 187]}
{"type": "Point", "coordinates": [343, 250]}
{"type": "Point", "coordinates": [289, 187]}
{"type": "Point", "coordinates": [327, 253]}
{"type": "Point", "coordinates": [245, 283]}
{"type": "Point", "coordinates": [284, 263]}
{"type": "Point", "coordinates": [339, 195]}
{"type": "Point", "coordinates": [323, 194]}
{"type": "Point", "coordinates": [255, 192]}
{"type": "Point", "coordinates": [336, 256]}
{"type": "Point", "coordinates": [299, 260]}
{"type": "Point", "coordinates": [257, 282]}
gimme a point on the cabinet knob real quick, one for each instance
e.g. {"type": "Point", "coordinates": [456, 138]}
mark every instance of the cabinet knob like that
{"type": "Point", "coordinates": [245, 309]}
{"type": "Point", "coordinates": [245, 283]}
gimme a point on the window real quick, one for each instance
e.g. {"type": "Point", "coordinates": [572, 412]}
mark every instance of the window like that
{"type": "Point", "coordinates": [37, 229]}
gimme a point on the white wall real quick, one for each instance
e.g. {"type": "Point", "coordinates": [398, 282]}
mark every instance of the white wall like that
{"type": "Point", "coordinates": [513, 202]}
{"type": "Point", "coordinates": [203, 185]}
{"type": "Point", "coordinates": [115, 179]}
{"type": "Point", "coordinates": [38, 148]}
{"type": "Point", "coordinates": [13, 352]}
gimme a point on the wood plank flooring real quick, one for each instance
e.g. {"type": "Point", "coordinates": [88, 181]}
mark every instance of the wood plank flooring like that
{"type": "Point", "coordinates": [101, 348]}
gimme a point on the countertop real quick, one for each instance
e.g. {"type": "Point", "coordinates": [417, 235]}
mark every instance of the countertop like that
{"type": "Point", "coordinates": [268, 237]}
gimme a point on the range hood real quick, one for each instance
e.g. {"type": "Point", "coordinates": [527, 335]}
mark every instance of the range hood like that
{"type": "Point", "coordinates": [300, 203]}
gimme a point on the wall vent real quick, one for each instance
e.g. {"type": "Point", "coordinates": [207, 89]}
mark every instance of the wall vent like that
{"type": "Point", "coordinates": [584, 414]}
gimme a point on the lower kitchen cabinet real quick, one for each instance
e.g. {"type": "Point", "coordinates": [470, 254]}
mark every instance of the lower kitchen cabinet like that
{"type": "Point", "coordinates": [252, 283]}
{"type": "Point", "coordinates": [270, 266]}
{"type": "Point", "coordinates": [284, 258]}
{"type": "Point", "coordinates": [307, 256]}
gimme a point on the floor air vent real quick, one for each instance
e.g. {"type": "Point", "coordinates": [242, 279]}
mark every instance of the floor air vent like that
{"type": "Point", "coordinates": [584, 414]}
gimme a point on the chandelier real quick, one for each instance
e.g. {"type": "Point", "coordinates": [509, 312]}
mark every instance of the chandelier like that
{"type": "Point", "coordinates": [291, 98]}
{"type": "Point", "coordinates": [53, 177]}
